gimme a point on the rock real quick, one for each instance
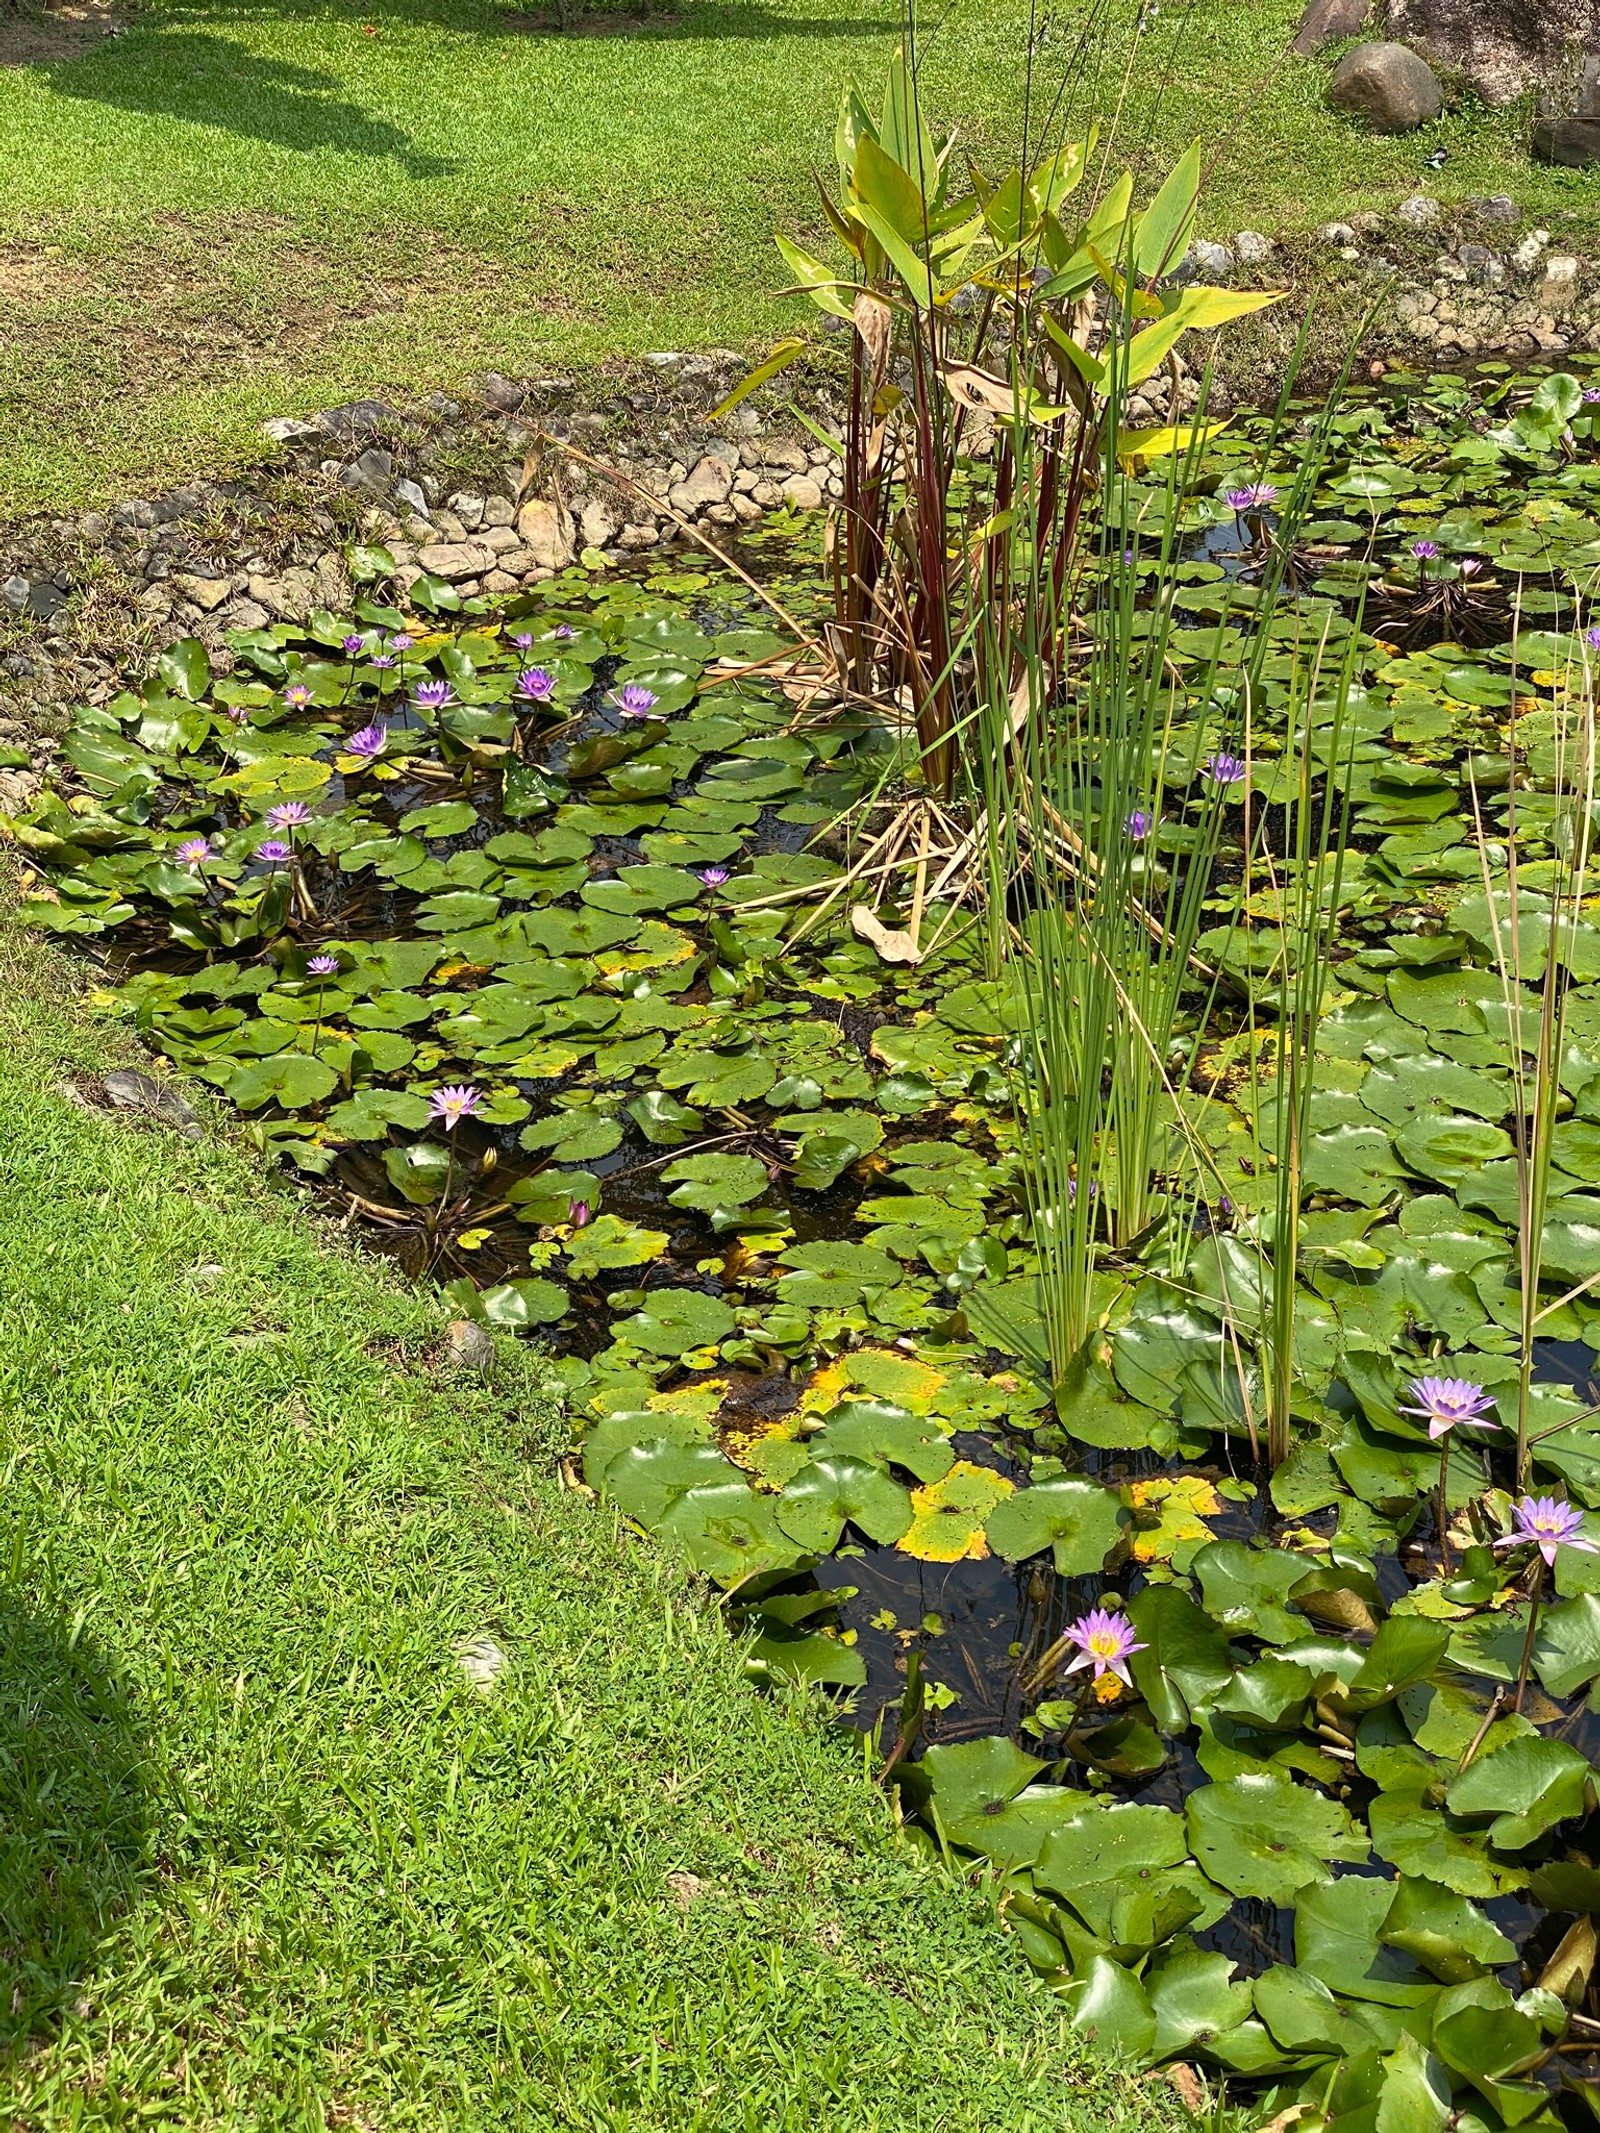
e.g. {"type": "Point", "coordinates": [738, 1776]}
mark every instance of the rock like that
{"type": "Point", "coordinates": [283, 429]}
{"type": "Point", "coordinates": [1388, 86]}
{"type": "Point", "coordinates": [357, 418]}
{"type": "Point", "coordinates": [1527, 254]}
{"type": "Point", "coordinates": [1482, 265]}
{"type": "Point", "coordinates": [803, 492]}
{"type": "Point", "coordinates": [1205, 260]}
{"type": "Point", "coordinates": [499, 581]}
{"type": "Point", "coordinates": [372, 470]}
{"type": "Point", "coordinates": [130, 1090]}
{"type": "Point", "coordinates": [1253, 249]}
{"type": "Point", "coordinates": [246, 615]}
{"type": "Point", "coordinates": [206, 593]}
{"type": "Point", "coordinates": [482, 1661]}
{"type": "Point", "coordinates": [597, 524]}
{"type": "Point", "coordinates": [1573, 142]}
{"type": "Point", "coordinates": [502, 393]}
{"type": "Point", "coordinates": [1418, 212]}
{"type": "Point", "coordinates": [499, 511]}
{"type": "Point", "coordinates": [1337, 234]}
{"type": "Point", "coordinates": [545, 529]}
{"type": "Point", "coordinates": [1499, 50]}
{"type": "Point", "coordinates": [637, 537]}
{"type": "Point", "coordinates": [14, 594]}
{"type": "Point", "coordinates": [407, 493]}
{"type": "Point", "coordinates": [468, 510]}
{"type": "Point", "coordinates": [1326, 21]}
{"type": "Point", "coordinates": [1494, 207]}
{"type": "Point", "coordinates": [454, 560]}
{"type": "Point", "coordinates": [471, 1347]}
{"type": "Point", "coordinates": [1560, 285]}
{"type": "Point", "coordinates": [781, 455]}
{"type": "Point", "coordinates": [709, 483]}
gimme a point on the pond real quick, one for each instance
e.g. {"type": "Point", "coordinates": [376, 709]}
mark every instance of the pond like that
{"type": "Point", "coordinates": [546, 942]}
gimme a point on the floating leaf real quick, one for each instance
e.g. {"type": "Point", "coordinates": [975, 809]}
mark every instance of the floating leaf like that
{"type": "Point", "coordinates": [289, 1079]}
{"type": "Point", "coordinates": [673, 1321]}
{"type": "Point", "coordinates": [830, 1491]}
{"type": "Point", "coordinates": [1079, 1520]}
{"type": "Point", "coordinates": [948, 1516]}
{"type": "Point", "coordinates": [1267, 1837]}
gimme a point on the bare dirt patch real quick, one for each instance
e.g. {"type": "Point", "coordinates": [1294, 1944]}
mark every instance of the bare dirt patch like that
{"type": "Point", "coordinates": [42, 36]}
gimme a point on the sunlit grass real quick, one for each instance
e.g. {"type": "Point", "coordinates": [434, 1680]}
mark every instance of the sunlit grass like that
{"type": "Point", "coordinates": [237, 210]}
{"type": "Point", "coordinates": [267, 1859]}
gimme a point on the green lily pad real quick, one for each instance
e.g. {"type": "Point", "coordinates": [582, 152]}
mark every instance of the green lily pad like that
{"type": "Point", "coordinates": [708, 1182]}
{"type": "Point", "coordinates": [831, 1491]}
{"type": "Point", "coordinates": [674, 1321]}
{"type": "Point", "coordinates": [1529, 1786]}
{"type": "Point", "coordinates": [1268, 1837]}
{"type": "Point", "coordinates": [1079, 1520]}
{"type": "Point", "coordinates": [1443, 1931]}
{"type": "Point", "coordinates": [289, 1079]}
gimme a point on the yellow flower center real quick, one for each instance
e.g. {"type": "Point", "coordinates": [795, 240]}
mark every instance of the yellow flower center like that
{"type": "Point", "coordinates": [1105, 1643]}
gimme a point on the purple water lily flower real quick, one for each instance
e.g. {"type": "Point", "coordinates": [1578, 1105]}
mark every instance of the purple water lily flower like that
{"type": "Point", "coordinates": [1592, 638]}
{"type": "Point", "coordinates": [288, 814]}
{"type": "Point", "coordinates": [535, 686]}
{"type": "Point", "coordinates": [1469, 566]}
{"type": "Point", "coordinates": [1445, 1403]}
{"type": "Point", "coordinates": [1424, 551]}
{"type": "Point", "coordinates": [1546, 1523]}
{"type": "Point", "coordinates": [297, 696]}
{"type": "Point", "coordinates": [369, 743]}
{"type": "Point", "coordinates": [323, 966]}
{"type": "Point", "coordinates": [384, 660]}
{"type": "Point", "coordinates": [578, 1215]}
{"type": "Point", "coordinates": [453, 1104]}
{"type": "Point", "coordinates": [562, 629]}
{"type": "Point", "coordinates": [1138, 825]}
{"type": "Point", "coordinates": [1223, 769]}
{"type": "Point", "coordinates": [713, 877]}
{"type": "Point", "coordinates": [354, 645]}
{"type": "Point", "coordinates": [275, 852]}
{"type": "Point", "coordinates": [634, 700]}
{"type": "Point", "coordinates": [522, 642]}
{"type": "Point", "coordinates": [400, 642]}
{"type": "Point", "coordinates": [1256, 497]}
{"type": "Point", "coordinates": [193, 852]}
{"type": "Point", "coordinates": [1105, 1641]}
{"type": "Point", "coordinates": [238, 714]}
{"type": "Point", "coordinates": [433, 696]}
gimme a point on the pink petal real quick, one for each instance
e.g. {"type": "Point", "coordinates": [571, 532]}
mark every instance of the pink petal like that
{"type": "Point", "coordinates": [1079, 1663]}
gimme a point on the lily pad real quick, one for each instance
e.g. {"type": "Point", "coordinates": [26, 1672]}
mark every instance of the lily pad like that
{"type": "Point", "coordinates": [1079, 1520]}
{"type": "Point", "coordinates": [1268, 1837]}
{"type": "Point", "coordinates": [948, 1516]}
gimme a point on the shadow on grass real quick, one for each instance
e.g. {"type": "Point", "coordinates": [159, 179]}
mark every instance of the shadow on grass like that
{"type": "Point", "coordinates": [72, 1815]}
{"type": "Point", "coordinates": [211, 81]}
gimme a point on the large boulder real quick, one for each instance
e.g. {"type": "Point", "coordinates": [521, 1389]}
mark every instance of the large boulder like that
{"type": "Point", "coordinates": [1573, 141]}
{"type": "Point", "coordinates": [1502, 48]}
{"type": "Point", "coordinates": [1326, 21]}
{"type": "Point", "coordinates": [1388, 86]}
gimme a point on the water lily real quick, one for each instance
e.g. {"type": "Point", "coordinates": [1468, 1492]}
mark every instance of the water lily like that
{"type": "Point", "coordinates": [369, 743]}
{"type": "Point", "coordinates": [1105, 1641]}
{"type": "Point", "coordinates": [354, 645]}
{"type": "Point", "coordinates": [578, 1215]}
{"type": "Point", "coordinates": [297, 696]}
{"type": "Point", "coordinates": [1424, 551]}
{"type": "Point", "coordinates": [1548, 1524]}
{"type": "Point", "coordinates": [535, 686]}
{"type": "Point", "coordinates": [1138, 825]}
{"type": "Point", "coordinates": [713, 877]}
{"type": "Point", "coordinates": [1223, 769]}
{"type": "Point", "coordinates": [454, 1103]}
{"type": "Point", "coordinates": [193, 852]}
{"type": "Point", "coordinates": [274, 852]}
{"type": "Point", "coordinates": [1446, 1403]}
{"type": "Point", "coordinates": [1255, 497]}
{"type": "Point", "coordinates": [633, 700]}
{"type": "Point", "coordinates": [288, 814]}
{"type": "Point", "coordinates": [433, 696]}
{"type": "Point", "coordinates": [400, 642]}
{"type": "Point", "coordinates": [323, 966]}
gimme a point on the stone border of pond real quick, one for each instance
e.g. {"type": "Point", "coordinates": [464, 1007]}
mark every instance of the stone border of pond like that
{"type": "Point", "coordinates": [476, 488]}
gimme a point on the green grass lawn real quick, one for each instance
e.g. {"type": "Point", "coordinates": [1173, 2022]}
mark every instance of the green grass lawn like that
{"type": "Point", "coordinates": [267, 1859]}
{"type": "Point", "coordinates": [255, 207]}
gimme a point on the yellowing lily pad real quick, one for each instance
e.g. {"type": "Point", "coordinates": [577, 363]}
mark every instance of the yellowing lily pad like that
{"type": "Point", "coordinates": [947, 1517]}
{"type": "Point", "coordinates": [652, 946]}
{"type": "Point", "coordinates": [1169, 1514]}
